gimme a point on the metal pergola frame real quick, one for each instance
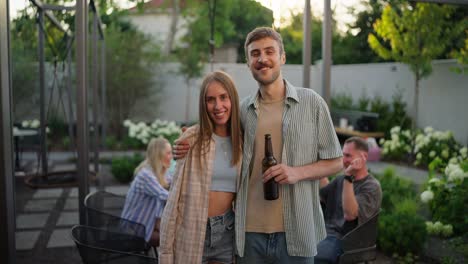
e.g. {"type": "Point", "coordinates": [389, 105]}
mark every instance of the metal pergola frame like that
{"type": "Point", "coordinates": [7, 186]}
{"type": "Point", "coordinates": [97, 36]}
{"type": "Point", "coordinates": [326, 49]}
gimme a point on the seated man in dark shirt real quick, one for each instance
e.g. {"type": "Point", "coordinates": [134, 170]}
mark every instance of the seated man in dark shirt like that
{"type": "Point", "coordinates": [350, 199]}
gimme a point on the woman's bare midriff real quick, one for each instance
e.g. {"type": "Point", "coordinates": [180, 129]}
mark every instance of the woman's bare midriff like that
{"type": "Point", "coordinates": [220, 202]}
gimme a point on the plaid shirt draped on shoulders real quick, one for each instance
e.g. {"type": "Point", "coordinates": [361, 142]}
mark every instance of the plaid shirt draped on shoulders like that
{"type": "Point", "coordinates": [183, 224]}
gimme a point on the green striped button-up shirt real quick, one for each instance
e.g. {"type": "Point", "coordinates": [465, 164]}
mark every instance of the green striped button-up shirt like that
{"type": "Point", "coordinates": [308, 136]}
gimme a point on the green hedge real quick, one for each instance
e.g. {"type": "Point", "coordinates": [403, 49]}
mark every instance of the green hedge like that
{"type": "Point", "coordinates": [123, 167]}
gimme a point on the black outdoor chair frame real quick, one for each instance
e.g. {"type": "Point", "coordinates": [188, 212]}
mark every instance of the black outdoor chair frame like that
{"type": "Point", "coordinates": [360, 244]}
{"type": "Point", "coordinates": [108, 216]}
{"type": "Point", "coordinates": [98, 246]}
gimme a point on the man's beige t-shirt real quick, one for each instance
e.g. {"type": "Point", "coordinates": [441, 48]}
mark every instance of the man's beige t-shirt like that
{"type": "Point", "coordinates": [265, 216]}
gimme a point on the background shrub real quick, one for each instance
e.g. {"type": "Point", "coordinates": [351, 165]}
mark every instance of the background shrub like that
{"type": "Point", "coordinates": [401, 230]}
{"type": "Point", "coordinates": [123, 167]}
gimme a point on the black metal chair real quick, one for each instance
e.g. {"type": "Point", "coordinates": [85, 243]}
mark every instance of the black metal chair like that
{"type": "Point", "coordinates": [98, 246]}
{"type": "Point", "coordinates": [104, 210]}
{"type": "Point", "coordinates": [359, 245]}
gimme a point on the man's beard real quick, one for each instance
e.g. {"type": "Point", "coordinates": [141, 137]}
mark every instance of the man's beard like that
{"type": "Point", "coordinates": [268, 81]}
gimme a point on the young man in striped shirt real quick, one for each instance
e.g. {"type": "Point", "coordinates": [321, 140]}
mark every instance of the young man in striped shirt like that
{"type": "Point", "coordinates": [286, 230]}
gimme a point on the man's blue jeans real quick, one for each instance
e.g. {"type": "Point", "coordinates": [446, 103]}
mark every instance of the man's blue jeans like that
{"type": "Point", "coordinates": [328, 250]}
{"type": "Point", "coordinates": [269, 248]}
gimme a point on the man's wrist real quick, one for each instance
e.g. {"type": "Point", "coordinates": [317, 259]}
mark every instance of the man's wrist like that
{"type": "Point", "coordinates": [349, 178]}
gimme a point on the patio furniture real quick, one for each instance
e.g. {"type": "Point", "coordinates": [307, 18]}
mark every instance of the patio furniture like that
{"type": "Point", "coordinates": [359, 245]}
{"type": "Point", "coordinates": [29, 139]}
{"type": "Point", "coordinates": [104, 210]}
{"type": "Point", "coordinates": [98, 246]}
{"type": "Point", "coordinates": [358, 123]}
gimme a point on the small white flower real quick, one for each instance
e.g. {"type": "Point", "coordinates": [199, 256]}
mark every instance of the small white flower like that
{"type": "Point", "coordinates": [432, 153]}
{"type": "Point", "coordinates": [127, 123]}
{"type": "Point", "coordinates": [35, 123]}
{"type": "Point", "coordinates": [445, 154]}
{"type": "Point", "coordinates": [453, 160]}
{"type": "Point", "coordinates": [419, 156]}
{"type": "Point", "coordinates": [447, 230]}
{"type": "Point", "coordinates": [395, 130]}
{"type": "Point", "coordinates": [381, 141]}
{"type": "Point", "coordinates": [428, 130]}
{"type": "Point", "coordinates": [426, 196]}
{"type": "Point", "coordinates": [464, 152]}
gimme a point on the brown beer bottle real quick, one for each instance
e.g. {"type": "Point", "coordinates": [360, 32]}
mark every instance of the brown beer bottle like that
{"type": "Point", "coordinates": [270, 188]}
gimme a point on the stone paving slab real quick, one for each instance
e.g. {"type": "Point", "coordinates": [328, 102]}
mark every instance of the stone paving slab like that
{"type": "Point", "coordinates": [31, 220]}
{"type": "Point", "coordinates": [119, 190]}
{"type": "Point", "coordinates": [71, 204]}
{"type": "Point", "coordinates": [68, 219]}
{"type": "Point", "coordinates": [48, 193]}
{"type": "Point", "coordinates": [74, 191]}
{"type": "Point", "coordinates": [40, 205]}
{"type": "Point", "coordinates": [26, 240]}
{"type": "Point", "coordinates": [61, 238]}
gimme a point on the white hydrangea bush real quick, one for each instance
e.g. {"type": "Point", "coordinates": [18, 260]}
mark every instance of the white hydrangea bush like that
{"type": "Point", "coordinates": [423, 146]}
{"type": "Point", "coordinates": [143, 132]}
{"type": "Point", "coordinates": [445, 194]}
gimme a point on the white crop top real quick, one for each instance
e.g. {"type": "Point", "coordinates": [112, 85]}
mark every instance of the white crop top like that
{"type": "Point", "coordinates": [224, 175]}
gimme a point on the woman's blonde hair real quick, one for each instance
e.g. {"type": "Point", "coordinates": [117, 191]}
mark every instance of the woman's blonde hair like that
{"type": "Point", "coordinates": [155, 152]}
{"type": "Point", "coordinates": [206, 124]}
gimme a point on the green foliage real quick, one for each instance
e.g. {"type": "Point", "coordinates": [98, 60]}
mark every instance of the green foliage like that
{"type": "Point", "coordinates": [133, 65]}
{"type": "Point", "coordinates": [292, 35]}
{"type": "Point", "coordinates": [233, 20]}
{"type": "Point", "coordinates": [123, 167]}
{"type": "Point", "coordinates": [402, 230]}
{"type": "Point", "coordinates": [354, 46]}
{"type": "Point", "coordinates": [247, 15]}
{"type": "Point", "coordinates": [390, 114]}
{"type": "Point", "coordinates": [449, 199]}
{"type": "Point", "coordinates": [416, 36]}
{"type": "Point", "coordinates": [342, 101]}
{"type": "Point", "coordinates": [400, 145]}
{"type": "Point", "coordinates": [431, 145]}
{"type": "Point", "coordinates": [394, 189]}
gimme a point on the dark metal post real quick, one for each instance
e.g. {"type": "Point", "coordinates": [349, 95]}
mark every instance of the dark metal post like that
{"type": "Point", "coordinates": [103, 92]}
{"type": "Point", "coordinates": [306, 46]}
{"type": "Point", "coordinates": [42, 96]}
{"type": "Point", "coordinates": [326, 51]}
{"type": "Point", "coordinates": [95, 87]}
{"type": "Point", "coordinates": [71, 117]}
{"type": "Point", "coordinates": [82, 101]}
{"type": "Point", "coordinates": [212, 16]}
{"type": "Point", "coordinates": [7, 183]}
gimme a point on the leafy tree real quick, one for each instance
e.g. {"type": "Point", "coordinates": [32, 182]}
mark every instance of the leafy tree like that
{"type": "Point", "coordinates": [416, 35]}
{"type": "Point", "coordinates": [293, 36]}
{"type": "Point", "coordinates": [247, 15]}
{"type": "Point", "coordinates": [132, 60]}
{"type": "Point", "coordinates": [353, 46]}
{"type": "Point", "coordinates": [233, 20]}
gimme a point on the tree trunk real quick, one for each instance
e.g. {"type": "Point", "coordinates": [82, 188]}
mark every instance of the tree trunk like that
{"type": "Point", "coordinates": [187, 104]}
{"type": "Point", "coordinates": [416, 99]}
{"type": "Point", "coordinates": [173, 29]}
